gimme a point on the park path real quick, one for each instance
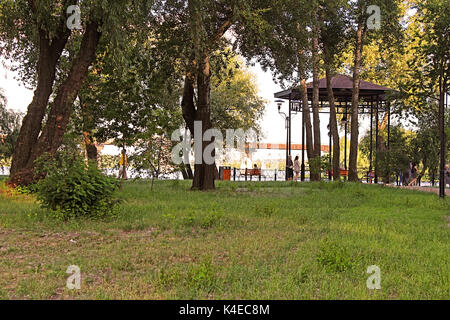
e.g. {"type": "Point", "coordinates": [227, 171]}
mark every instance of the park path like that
{"type": "Point", "coordinates": [424, 189]}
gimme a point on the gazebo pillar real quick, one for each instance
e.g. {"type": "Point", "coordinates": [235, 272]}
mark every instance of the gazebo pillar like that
{"type": "Point", "coordinates": [376, 141]}
{"type": "Point", "coordinates": [371, 137]}
{"type": "Point", "coordinates": [389, 125]}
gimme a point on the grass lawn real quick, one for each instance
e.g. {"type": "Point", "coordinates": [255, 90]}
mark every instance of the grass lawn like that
{"type": "Point", "coordinates": [260, 240]}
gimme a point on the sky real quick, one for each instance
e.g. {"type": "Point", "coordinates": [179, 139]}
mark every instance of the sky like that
{"type": "Point", "coordinates": [272, 123]}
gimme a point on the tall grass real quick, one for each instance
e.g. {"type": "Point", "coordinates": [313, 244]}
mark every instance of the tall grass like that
{"type": "Point", "coordinates": [246, 240]}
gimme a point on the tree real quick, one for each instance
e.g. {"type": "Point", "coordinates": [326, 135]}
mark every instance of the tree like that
{"type": "Point", "coordinates": [124, 105]}
{"type": "Point", "coordinates": [235, 102]}
{"type": "Point", "coordinates": [284, 46]}
{"type": "Point", "coordinates": [433, 76]}
{"type": "Point", "coordinates": [153, 154]}
{"type": "Point", "coordinates": [35, 34]}
{"type": "Point", "coordinates": [315, 171]}
{"type": "Point", "coordinates": [9, 130]}
{"type": "Point", "coordinates": [387, 31]}
{"type": "Point", "coordinates": [333, 39]}
{"type": "Point", "coordinates": [201, 26]}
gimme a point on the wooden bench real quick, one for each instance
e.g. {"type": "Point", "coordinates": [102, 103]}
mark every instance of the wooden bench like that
{"type": "Point", "coordinates": [252, 172]}
{"type": "Point", "coordinates": [343, 173]}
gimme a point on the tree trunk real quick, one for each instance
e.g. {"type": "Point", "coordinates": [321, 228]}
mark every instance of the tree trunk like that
{"type": "Point", "coordinates": [52, 135]}
{"type": "Point", "coordinates": [315, 101]}
{"type": "Point", "coordinates": [187, 102]}
{"type": "Point", "coordinates": [315, 175]}
{"type": "Point", "coordinates": [204, 174]}
{"type": "Point", "coordinates": [49, 54]}
{"type": "Point", "coordinates": [333, 126]}
{"type": "Point", "coordinates": [306, 114]}
{"type": "Point", "coordinates": [354, 134]}
{"type": "Point", "coordinates": [443, 144]}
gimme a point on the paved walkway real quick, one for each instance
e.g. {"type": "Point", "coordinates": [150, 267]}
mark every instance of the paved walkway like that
{"type": "Point", "coordinates": [424, 189]}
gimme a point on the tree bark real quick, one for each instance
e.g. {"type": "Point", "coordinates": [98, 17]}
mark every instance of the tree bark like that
{"type": "Point", "coordinates": [315, 101]}
{"type": "Point", "coordinates": [354, 134]}
{"type": "Point", "coordinates": [49, 54]}
{"type": "Point", "coordinates": [51, 137]}
{"type": "Point", "coordinates": [204, 174]}
{"type": "Point", "coordinates": [315, 175]}
{"type": "Point", "coordinates": [306, 114]}
{"type": "Point", "coordinates": [443, 144]}
{"type": "Point", "coordinates": [187, 102]}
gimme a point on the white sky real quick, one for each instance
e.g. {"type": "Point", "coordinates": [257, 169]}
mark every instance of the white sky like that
{"type": "Point", "coordinates": [272, 123]}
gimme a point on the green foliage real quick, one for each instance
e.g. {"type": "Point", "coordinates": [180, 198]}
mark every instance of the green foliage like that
{"type": "Point", "coordinates": [316, 164]}
{"type": "Point", "coordinates": [335, 258]}
{"type": "Point", "coordinates": [75, 190]}
{"type": "Point", "coordinates": [9, 131]}
{"type": "Point", "coordinates": [234, 97]}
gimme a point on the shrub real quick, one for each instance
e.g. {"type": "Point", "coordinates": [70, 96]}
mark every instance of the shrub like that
{"type": "Point", "coordinates": [74, 189]}
{"type": "Point", "coordinates": [335, 257]}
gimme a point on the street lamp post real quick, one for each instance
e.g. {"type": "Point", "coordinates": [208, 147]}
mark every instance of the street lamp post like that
{"type": "Point", "coordinates": [293, 109]}
{"type": "Point", "coordinates": [286, 125]}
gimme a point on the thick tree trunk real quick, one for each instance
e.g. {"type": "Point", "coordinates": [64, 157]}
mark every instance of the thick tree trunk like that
{"type": "Point", "coordinates": [315, 102]}
{"type": "Point", "coordinates": [308, 126]}
{"type": "Point", "coordinates": [354, 134]}
{"type": "Point", "coordinates": [333, 127]}
{"type": "Point", "coordinates": [51, 137]}
{"type": "Point", "coordinates": [442, 135]}
{"type": "Point", "coordinates": [306, 114]}
{"type": "Point", "coordinates": [187, 102]}
{"type": "Point", "coordinates": [49, 55]}
{"type": "Point", "coordinates": [204, 174]}
{"type": "Point", "coordinates": [315, 174]}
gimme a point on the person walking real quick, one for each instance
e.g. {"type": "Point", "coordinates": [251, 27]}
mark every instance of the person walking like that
{"type": "Point", "coordinates": [296, 168]}
{"type": "Point", "coordinates": [289, 169]}
{"type": "Point", "coordinates": [413, 181]}
{"type": "Point", "coordinates": [123, 165]}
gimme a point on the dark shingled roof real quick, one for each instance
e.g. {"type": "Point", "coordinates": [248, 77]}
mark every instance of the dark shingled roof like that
{"type": "Point", "coordinates": [342, 88]}
{"type": "Point", "coordinates": [344, 82]}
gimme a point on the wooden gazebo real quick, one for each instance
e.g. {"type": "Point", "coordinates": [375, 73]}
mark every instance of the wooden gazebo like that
{"type": "Point", "coordinates": [372, 100]}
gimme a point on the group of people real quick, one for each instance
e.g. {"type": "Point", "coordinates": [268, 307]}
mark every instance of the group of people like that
{"type": "Point", "coordinates": [412, 174]}
{"type": "Point", "coordinates": [293, 166]}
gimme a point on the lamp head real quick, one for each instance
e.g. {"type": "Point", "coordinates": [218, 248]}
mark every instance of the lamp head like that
{"type": "Point", "coordinates": [279, 103]}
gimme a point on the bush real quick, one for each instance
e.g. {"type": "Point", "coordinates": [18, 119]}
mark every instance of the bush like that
{"type": "Point", "coordinates": [74, 189]}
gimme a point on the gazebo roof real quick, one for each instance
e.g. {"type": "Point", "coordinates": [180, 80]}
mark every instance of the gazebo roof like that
{"type": "Point", "coordinates": [342, 87]}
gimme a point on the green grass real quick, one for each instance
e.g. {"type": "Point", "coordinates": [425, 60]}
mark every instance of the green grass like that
{"type": "Point", "coordinates": [260, 240]}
